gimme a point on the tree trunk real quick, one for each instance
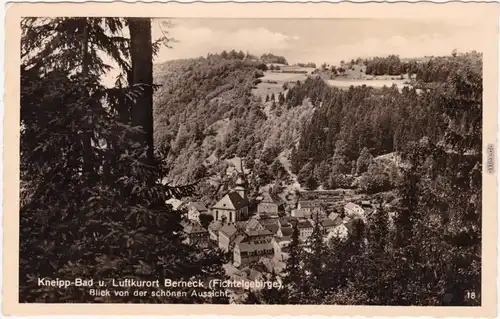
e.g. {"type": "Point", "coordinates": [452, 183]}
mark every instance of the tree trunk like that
{"type": "Point", "coordinates": [86, 136]}
{"type": "Point", "coordinates": [141, 52]}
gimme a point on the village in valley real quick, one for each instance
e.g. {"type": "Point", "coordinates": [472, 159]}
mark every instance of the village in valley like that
{"type": "Point", "coordinates": [256, 233]}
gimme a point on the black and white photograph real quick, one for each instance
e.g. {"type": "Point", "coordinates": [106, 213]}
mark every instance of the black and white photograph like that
{"type": "Point", "coordinates": [256, 161]}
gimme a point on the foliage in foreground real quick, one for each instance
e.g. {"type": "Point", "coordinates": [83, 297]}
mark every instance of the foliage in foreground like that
{"type": "Point", "coordinates": [92, 200]}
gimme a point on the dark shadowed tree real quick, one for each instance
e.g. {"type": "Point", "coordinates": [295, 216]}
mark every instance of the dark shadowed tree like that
{"type": "Point", "coordinates": [115, 224]}
{"type": "Point", "coordinates": [141, 52]}
{"type": "Point", "coordinates": [293, 279]}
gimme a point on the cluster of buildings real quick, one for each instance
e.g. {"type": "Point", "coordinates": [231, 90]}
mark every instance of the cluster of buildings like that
{"type": "Point", "coordinates": [265, 232]}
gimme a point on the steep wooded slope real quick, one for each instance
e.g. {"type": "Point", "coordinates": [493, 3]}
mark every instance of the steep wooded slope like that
{"type": "Point", "coordinates": [206, 113]}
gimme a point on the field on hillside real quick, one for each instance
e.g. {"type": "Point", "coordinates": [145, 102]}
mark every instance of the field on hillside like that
{"type": "Point", "coordinates": [356, 76]}
{"type": "Point", "coordinates": [376, 83]}
{"type": "Point", "coordinates": [356, 72]}
{"type": "Point", "coordinates": [283, 76]}
{"type": "Point", "coordinates": [268, 87]}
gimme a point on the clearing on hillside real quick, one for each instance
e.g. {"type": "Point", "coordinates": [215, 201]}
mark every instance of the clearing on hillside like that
{"type": "Point", "coordinates": [272, 82]}
{"type": "Point", "coordinates": [376, 83]}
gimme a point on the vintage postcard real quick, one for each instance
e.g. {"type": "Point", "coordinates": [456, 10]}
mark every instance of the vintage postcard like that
{"type": "Point", "coordinates": [339, 159]}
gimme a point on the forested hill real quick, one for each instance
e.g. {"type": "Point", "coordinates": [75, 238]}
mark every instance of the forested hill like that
{"type": "Point", "coordinates": [199, 106]}
{"type": "Point", "coordinates": [207, 113]}
{"type": "Point", "coordinates": [208, 110]}
{"type": "Point", "coordinates": [196, 93]}
{"type": "Point", "coordinates": [363, 121]}
{"type": "Point", "coordinates": [357, 119]}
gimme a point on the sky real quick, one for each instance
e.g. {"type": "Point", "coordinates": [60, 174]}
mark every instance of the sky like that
{"type": "Point", "coordinates": [317, 40]}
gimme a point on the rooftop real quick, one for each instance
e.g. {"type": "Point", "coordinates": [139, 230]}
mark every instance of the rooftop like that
{"type": "Point", "coordinates": [258, 232]}
{"type": "Point", "coordinates": [193, 228]}
{"type": "Point", "coordinates": [287, 231]}
{"type": "Point", "coordinates": [366, 203]}
{"type": "Point", "coordinates": [351, 206]}
{"type": "Point", "coordinates": [175, 203]}
{"type": "Point", "coordinates": [215, 225]}
{"type": "Point", "coordinates": [199, 206]}
{"type": "Point", "coordinates": [266, 198]}
{"type": "Point", "coordinates": [273, 228]}
{"type": "Point", "coordinates": [231, 200]}
{"type": "Point", "coordinates": [308, 204]}
{"type": "Point", "coordinates": [252, 224]}
{"type": "Point", "coordinates": [331, 223]}
{"type": "Point", "coordinates": [333, 216]}
{"type": "Point", "coordinates": [228, 229]}
{"type": "Point", "coordinates": [268, 220]}
{"type": "Point", "coordinates": [327, 223]}
{"type": "Point", "coordinates": [305, 224]}
{"type": "Point", "coordinates": [249, 247]}
{"type": "Point", "coordinates": [285, 238]}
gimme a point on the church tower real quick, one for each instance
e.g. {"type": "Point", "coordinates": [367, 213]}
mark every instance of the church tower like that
{"type": "Point", "coordinates": [241, 187]}
{"type": "Point", "coordinates": [241, 183]}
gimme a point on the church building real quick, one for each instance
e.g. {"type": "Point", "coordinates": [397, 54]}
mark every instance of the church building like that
{"type": "Point", "coordinates": [233, 207]}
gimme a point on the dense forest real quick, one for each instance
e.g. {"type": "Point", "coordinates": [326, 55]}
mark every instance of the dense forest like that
{"type": "Point", "coordinates": [350, 126]}
{"type": "Point", "coordinates": [271, 58]}
{"type": "Point", "coordinates": [390, 65]}
{"type": "Point", "coordinates": [428, 69]}
{"type": "Point", "coordinates": [99, 163]}
{"type": "Point", "coordinates": [206, 113]}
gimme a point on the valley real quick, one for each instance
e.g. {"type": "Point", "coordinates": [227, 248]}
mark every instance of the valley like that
{"type": "Point", "coordinates": [351, 183]}
{"type": "Point", "coordinates": [274, 116]}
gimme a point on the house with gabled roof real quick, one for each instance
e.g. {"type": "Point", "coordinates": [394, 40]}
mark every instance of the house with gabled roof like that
{"type": "Point", "coordinates": [195, 233]}
{"type": "Point", "coordinates": [253, 224]}
{"type": "Point", "coordinates": [213, 230]}
{"type": "Point", "coordinates": [270, 223]}
{"type": "Point", "coordinates": [333, 216]}
{"type": "Point", "coordinates": [246, 239]}
{"type": "Point", "coordinates": [229, 233]}
{"type": "Point", "coordinates": [297, 213]}
{"type": "Point", "coordinates": [305, 229]}
{"type": "Point", "coordinates": [307, 208]}
{"type": "Point", "coordinates": [267, 205]}
{"type": "Point", "coordinates": [339, 231]}
{"type": "Point", "coordinates": [257, 244]}
{"type": "Point", "coordinates": [176, 204]}
{"type": "Point", "coordinates": [195, 209]}
{"type": "Point", "coordinates": [327, 225]}
{"type": "Point", "coordinates": [352, 210]}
